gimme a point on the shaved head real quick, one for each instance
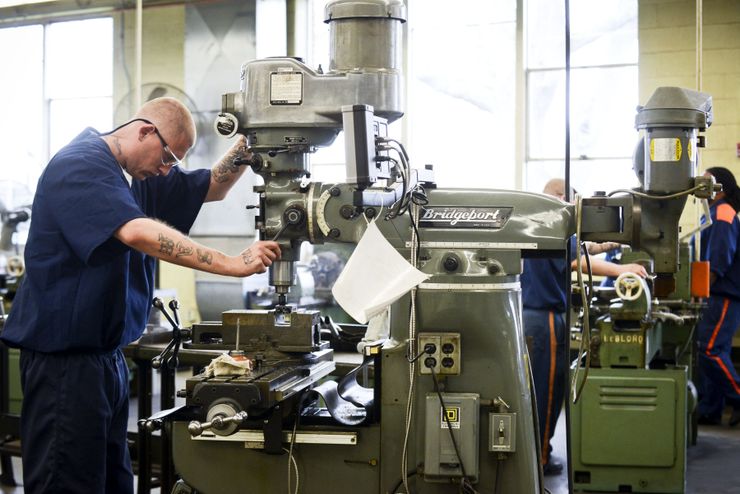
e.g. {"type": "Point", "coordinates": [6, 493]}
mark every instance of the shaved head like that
{"type": "Point", "coordinates": [172, 118]}
{"type": "Point", "coordinates": [556, 187]}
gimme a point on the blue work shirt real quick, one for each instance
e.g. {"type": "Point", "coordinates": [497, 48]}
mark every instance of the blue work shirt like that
{"type": "Point", "coordinates": [719, 246]}
{"type": "Point", "coordinates": [83, 289]}
{"type": "Point", "coordinates": [544, 281]}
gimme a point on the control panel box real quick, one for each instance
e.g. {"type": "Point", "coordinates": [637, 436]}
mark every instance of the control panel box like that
{"type": "Point", "coordinates": [459, 417]}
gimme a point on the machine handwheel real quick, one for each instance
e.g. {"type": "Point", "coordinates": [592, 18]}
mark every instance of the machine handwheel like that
{"type": "Point", "coordinates": [16, 267]}
{"type": "Point", "coordinates": [629, 286]}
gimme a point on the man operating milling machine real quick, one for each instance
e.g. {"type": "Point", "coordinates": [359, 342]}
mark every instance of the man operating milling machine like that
{"type": "Point", "coordinates": [101, 219]}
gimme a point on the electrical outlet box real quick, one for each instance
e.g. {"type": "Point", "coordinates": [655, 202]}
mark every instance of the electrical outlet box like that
{"type": "Point", "coordinates": [446, 353]}
{"type": "Point", "coordinates": [502, 432]}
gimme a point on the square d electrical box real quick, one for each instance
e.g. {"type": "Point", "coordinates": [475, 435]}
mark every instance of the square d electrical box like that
{"type": "Point", "coordinates": [440, 458]}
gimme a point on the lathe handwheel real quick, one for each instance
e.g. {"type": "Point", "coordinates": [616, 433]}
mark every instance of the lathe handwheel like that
{"type": "Point", "coordinates": [629, 286]}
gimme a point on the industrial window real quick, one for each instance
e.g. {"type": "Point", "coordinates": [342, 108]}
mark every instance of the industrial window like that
{"type": "Point", "coordinates": [62, 82]}
{"type": "Point", "coordinates": [604, 92]}
{"type": "Point", "coordinates": [460, 92]}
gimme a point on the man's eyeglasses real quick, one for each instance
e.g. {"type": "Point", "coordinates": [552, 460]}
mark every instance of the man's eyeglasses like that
{"type": "Point", "coordinates": [172, 160]}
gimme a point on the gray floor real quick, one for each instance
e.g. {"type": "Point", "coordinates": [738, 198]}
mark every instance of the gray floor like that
{"type": "Point", "coordinates": [713, 464]}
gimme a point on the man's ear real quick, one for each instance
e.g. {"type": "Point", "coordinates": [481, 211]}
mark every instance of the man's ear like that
{"type": "Point", "coordinates": [144, 130]}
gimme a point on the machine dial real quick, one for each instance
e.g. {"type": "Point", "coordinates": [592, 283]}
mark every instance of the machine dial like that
{"type": "Point", "coordinates": [320, 210]}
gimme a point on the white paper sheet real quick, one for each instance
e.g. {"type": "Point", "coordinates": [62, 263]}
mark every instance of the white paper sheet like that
{"type": "Point", "coordinates": [375, 276]}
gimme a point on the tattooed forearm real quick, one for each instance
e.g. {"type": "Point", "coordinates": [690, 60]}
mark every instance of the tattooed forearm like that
{"type": "Point", "coordinates": [247, 257]}
{"type": "Point", "coordinates": [183, 250]}
{"type": "Point", "coordinates": [204, 256]}
{"type": "Point", "coordinates": [166, 245]}
{"type": "Point", "coordinates": [223, 170]}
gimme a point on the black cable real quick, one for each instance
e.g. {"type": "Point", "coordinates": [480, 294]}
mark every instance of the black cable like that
{"type": "Point", "coordinates": [411, 473]}
{"type": "Point", "coordinates": [399, 207]}
{"type": "Point", "coordinates": [495, 483]}
{"type": "Point", "coordinates": [395, 209]}
{"type": "Point", "coordinates": [590, 292]}
{"type": "Point", "coordinates": [412, 360]}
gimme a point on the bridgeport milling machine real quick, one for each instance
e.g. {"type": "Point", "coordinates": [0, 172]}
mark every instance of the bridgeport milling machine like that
{"type": "Point", "coordinates": [451, 407]}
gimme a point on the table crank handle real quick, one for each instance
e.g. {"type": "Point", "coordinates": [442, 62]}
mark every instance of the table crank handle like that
{"type": "Point", "coordinates": [196, 428]}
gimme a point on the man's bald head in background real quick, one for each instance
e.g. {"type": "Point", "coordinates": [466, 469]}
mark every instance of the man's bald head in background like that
{"type": "Point", "coordinates": [556, 187]}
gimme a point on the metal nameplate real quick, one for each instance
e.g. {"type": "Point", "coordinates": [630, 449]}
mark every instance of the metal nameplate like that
{"type": "Point", "coordinates": [464, 217]}
{"type": "Point", "coordinates": [286, 88]}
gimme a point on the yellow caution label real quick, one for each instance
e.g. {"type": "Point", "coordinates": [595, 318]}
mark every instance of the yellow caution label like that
{"type": "Point", "coordinates": [690, 149]}
{"type": "Point", "coordinates": [665, 149]}
{"type": "Point", "coordinates": [451, 415]}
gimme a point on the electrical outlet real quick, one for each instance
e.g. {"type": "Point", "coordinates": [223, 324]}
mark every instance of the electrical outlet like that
{"type": "Point", "coordinates": [449, 354]}
{"type": "Point", "coordinates": [443, 355]}
{"type": "Point", "coordinates": [431, 341]}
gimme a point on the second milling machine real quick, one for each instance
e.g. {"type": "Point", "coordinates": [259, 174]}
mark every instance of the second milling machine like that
{"type": "Point", "coordinates": [634, 417]}
{"type": "Point", "coordinates": [451, 406]}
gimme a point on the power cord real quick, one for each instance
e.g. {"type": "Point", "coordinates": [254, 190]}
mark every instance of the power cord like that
{"type": "Point", "coordinates": [411, 473]}
{"type": "Point", "coordinates": [414, 211]}
{"type": "Point", "coordinates": [428, 349]}
{"type": "Point", "coordinates": [465, 486]}
{"type": "Point", "coordinates": [585, 345]}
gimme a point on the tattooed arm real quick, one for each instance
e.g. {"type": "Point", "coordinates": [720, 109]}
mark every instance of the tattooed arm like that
{"type": "Point", "coordinates": [164, 242]}
{"type": "Point", "coordinates": [225, 173]}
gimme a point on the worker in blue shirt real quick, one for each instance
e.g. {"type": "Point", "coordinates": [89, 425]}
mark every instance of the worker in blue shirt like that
{"type": "Point", "coordinates": [719, 384]}
{"type": "Point", "coordinates": [106, 207]}
{"type": "Point", "coordinates": [544, 292]}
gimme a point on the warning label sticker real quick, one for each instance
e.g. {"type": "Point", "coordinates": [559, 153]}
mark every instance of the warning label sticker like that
{"type": "Point", "coordinates": [665, 149]}
{"type": "Point", "coordinates": [286, 88]}
{"type": "Point", "coordinates": [453, 416]}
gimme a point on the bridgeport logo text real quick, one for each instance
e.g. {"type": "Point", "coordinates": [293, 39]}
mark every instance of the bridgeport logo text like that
{"type": "Point", "coordinates": [464, 217]}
